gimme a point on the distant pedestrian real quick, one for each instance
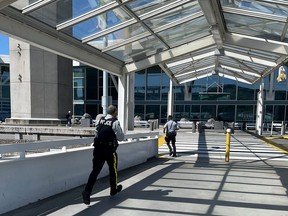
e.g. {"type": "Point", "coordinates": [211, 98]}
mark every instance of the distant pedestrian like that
{"type": "Point", "coordinates": [108, 131]}
{"type": "Point", "coordinates": [69, 118]}
{"type": "Point", "coordinates": [170, 130]}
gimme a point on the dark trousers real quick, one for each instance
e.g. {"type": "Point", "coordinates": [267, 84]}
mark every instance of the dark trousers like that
{"type": "Point", "coordinates": [100, 155]}
{"type": "Point", "coordinates": [173, 140]}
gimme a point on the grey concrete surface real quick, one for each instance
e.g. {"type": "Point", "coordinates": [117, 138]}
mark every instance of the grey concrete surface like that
{"type": "Point", "coordinates": [197, 182]}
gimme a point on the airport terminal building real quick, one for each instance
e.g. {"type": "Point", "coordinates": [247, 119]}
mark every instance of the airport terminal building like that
{"type": "Point", "coordinates": [210, 96]}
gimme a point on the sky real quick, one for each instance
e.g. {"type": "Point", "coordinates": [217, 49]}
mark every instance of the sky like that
{"type": "Point", "coordinates": [4, 45]}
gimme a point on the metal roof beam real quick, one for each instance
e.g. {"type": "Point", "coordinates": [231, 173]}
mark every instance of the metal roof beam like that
{"type": "Point", "coordinates": [38, 34]}
{"type": "Point", "coordinates": [6, 3]}
{"type": "Point", "coordinates": [134, 19]}
{"type": "Point", "coordinates": [169, 54]}
{"type": "Point", "coordinates": [87, 15]}
{"type": "Point", "coordinates": [245, 66]}
{"type": "Point", "coordinates": [213, 16]}
{"type": "Point", "coordinates": [168, 72]}
{"type": "Point", "coordinates": [36, 5]}
{"type": "Point", "coordinates": [251, 43]}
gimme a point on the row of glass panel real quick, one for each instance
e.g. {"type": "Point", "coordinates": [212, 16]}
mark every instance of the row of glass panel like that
{"type": "Point", "coordinates": [154, 85]}
{"type": "Point", "coordinates": [228, 113]}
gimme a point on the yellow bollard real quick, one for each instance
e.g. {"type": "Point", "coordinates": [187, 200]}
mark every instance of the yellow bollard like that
{"type": "Point", "coordinates": [228, 138]}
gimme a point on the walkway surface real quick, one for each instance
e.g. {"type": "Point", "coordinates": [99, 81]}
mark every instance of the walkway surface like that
{"type": "Point", "coordinates": [197, 182]}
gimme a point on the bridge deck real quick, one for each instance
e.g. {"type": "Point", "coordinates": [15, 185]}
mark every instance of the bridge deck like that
{"type": "Point", "coordinates": [197, 182]}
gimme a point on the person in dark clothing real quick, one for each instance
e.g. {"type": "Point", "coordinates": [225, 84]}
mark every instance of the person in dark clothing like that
{"type": "Point", "coordinates": [69, 118]}
{"type": "Point", "coordinates": [170, 130]}
{"type": "Point", "coordinates": [108, 132]}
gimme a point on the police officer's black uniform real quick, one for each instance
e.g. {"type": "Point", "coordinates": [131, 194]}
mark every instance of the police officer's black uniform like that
{"type": "Point", "coordinates": [105, 150]}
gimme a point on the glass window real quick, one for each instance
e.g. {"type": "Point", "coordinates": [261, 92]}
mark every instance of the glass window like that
{"type": "Point", "coordinates": [208, 111]}
{"type": "Point", "coordinates": [153, 83]}
{"type": "Point", "coordinates": [229, 88]}
{"type": "Point", "coordinates": [258, 6]}
{"type": "Point", "coordinates": [117, 36]}
{"type": "Point", "coordinates": [286, 116]}
{"type": "Point", "coordinates": [279, 112]}
{"type": "Point", "coordinates": [139, 110]}
{"type": "Point", "coordinates": [92, 84]}
{"type": "Point", "coordinates": [78, 93]}
{"type": "Point", "coordinates": [268, 117]}
{"type": "Point", "coordinates": [186, 32]}
{"type": "Point", "coordinates": [252, 26]}
{"type": "Point", "coordinates": [140, 83]}
{"type": "Point", "coordinates": [226, 113]}
{"type": "Point", "coordinates": [163, 113]}
{"type": "Point", "coordinates": [179, 92]}
{"type": "Point", "coordinates": [280, 95]}
{"type": "Point", "coordinates": [6, 91]}
{"type": "Point", "coordinates": [79, 72]}
{"type": "Point", "coordinates": [138, 49]}
{"type": "Point", "coordinates": [152, 112]}
{"type": "Point", "coordinates": [245, 92]}
{"type": "Point", "coordinates": [165, 86]}
{"type": "Point", "coordinates": [78, 109]}
{"type": "Point", "coordinates": [140, 7]}
{"type": "Point", "coordinates": [179, 112]}
{"type": "Point", "coordinates": [92, 110]}
{"type": "Point", "coordinates": [97, 24]}
{"type": "Point", "coordinates": [195, 112]}
{"type": "Point", "coordinates": [245, 113]}
{"type": "Point", "coordinates": [173, 15]}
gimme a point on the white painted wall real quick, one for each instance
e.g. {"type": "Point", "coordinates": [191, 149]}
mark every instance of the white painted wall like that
{"type": "Point", "coordinates": [38, 177]}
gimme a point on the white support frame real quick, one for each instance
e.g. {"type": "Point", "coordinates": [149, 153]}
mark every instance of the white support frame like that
{"type": "Point", "coordinates": [49, 39]}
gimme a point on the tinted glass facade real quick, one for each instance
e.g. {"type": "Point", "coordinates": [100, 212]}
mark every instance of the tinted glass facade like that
{"type": "Point", "coordinates": [5, 110]}
{"type": "Point", "coordinates": [214, 96]}
{"type": "Point", "coordinates": [88, 91]}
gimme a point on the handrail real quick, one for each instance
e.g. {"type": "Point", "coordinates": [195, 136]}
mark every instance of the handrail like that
{"type": "Point", "coordinates": [23, 147]}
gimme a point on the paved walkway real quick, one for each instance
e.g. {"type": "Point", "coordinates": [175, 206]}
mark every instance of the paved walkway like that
{"type": "Point", "coordinates": [197, 182]}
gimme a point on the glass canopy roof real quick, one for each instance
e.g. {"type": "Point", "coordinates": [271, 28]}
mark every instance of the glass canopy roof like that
{"type": "Point", "coordinates": [242, 40]}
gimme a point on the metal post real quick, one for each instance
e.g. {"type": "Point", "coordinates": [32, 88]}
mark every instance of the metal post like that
{"type": "Point", "coordinates": [282, 129]}
{"type": "Point", "coordinates": [271, 129]}
{"type": "Point", "coordinates": [228, 138]}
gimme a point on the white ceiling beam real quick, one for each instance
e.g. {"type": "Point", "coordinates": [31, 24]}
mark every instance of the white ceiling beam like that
{"type": "Point", "coordinates": [245, 66]}
{"type": "Point", "coordinates": [169, 54]}
{"type": "Point", "coordinates": [194, 70]}
{"type": "Point", "coordinates": [250, 43]}
{"type": "Point", "coordinates": [42, 36]}
{"type": "Point", "coordinates": [250, 58]}
{"type": "Point", "coordinates": [213, 16]}
{"type": "Point", "coordinates": [196, 77]}
{"type": "Point", "coordinates": [169, 73]}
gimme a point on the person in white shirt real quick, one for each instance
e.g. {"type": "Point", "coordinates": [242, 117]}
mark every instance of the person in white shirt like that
{"type": "Point", "coordinates": [170, 130]}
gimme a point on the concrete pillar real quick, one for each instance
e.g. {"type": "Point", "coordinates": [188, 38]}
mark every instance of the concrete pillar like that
{"type": "Point", "coordinates": [105, 93]}
{"type": "Point", "coordinates": [170, 100]}
{"type": "Point", "coordinates": [40, 85]}
{"type": "Point", "coordinates": [122, 102]}
{"type": "Point", "coordinates": [131, 100]}
{"type": "Point", "coordinates": [260, 107]}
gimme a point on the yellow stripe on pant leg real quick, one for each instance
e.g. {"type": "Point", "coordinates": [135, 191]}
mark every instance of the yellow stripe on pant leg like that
{"type": "Point", "coordinates": [115, 168]}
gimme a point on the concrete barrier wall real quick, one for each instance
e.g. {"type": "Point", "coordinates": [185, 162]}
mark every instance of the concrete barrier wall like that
{"type": "Point", "coordinates": [38, 177]}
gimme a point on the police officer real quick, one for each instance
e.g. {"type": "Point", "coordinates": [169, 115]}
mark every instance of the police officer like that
{"type": "Point", "coordinates": [108, 131]}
